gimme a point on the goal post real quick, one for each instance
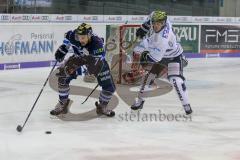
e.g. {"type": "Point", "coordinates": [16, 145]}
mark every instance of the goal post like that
{"type": "Point", "coordinates": [119, 46]}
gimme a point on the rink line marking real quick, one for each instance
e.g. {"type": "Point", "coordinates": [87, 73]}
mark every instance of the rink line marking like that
{"type": "Point", "coordinates": [6, 89]}
{"type": "Point", "coordinates": [17, 82]}
{"type": "Point", "coordinates": [200, 68]}
{"type": "Point", "coordinates": [20, 93]}
{"type": "Point", "coordinates": [21, 111]}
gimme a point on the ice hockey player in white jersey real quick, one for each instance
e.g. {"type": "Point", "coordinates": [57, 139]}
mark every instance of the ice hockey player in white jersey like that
{"type": "Point", "coordinates": [160, 48]}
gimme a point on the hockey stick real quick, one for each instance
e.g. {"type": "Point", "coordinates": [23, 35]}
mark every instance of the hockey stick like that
{"type": "Point", "coordinates": [111, 69]}
{"type": "Point", "coordinates": [98, 84]}
{"type": "Point", "coordinates": [19, 127]}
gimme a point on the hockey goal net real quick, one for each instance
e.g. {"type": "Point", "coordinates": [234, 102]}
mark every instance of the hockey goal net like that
{"type": "Point", "coordinates": [120, 42]}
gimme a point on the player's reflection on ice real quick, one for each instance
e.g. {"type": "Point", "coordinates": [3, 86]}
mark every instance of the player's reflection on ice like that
{"type": "Point", "coordinates": [126, 92]}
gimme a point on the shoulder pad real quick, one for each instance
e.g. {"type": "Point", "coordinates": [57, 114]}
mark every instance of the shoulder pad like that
{"type": "Point", "coordinates": [97, 40]}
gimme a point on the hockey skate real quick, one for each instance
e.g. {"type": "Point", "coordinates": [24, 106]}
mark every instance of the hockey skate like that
{"type": "Point", "coordinates": [138, 104]}
{"type": "Point", "coordinates": [61, 107]}
{"type": "Point", "coordinates": [102, 110]}
{"type": "Point", "coordinates": [187, 109]}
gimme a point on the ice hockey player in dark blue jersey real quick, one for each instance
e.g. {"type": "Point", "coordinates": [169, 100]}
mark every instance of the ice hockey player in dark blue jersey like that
{"type": "Point", "coordinates": [89, 51]}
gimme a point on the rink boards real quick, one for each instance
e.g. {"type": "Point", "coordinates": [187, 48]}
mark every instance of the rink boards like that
{"type": "Point", "coordinates": [31, 41]}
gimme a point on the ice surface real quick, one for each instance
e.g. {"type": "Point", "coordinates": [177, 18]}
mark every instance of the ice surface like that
{"type": "Point", "coordinates": [212, 133]}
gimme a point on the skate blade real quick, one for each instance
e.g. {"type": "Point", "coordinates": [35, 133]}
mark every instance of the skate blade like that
{"type": "Point", "coordinates": [105, 116]}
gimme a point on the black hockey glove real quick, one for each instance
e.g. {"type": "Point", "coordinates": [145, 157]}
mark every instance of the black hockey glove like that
{"type": "Point", "coordinates": [146, 65]}
{"type": "Point", "coordinates": [61, 52]}
{"type": "Point", "coordinates": [140, 32]}
{"type": "Point", "coordinates": [73, 63]}
{"type": "Point", "coordinates": [143, 59]}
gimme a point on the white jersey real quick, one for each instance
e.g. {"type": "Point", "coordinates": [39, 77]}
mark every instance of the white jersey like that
{"type": "Point", "coordinates": [160, 45]}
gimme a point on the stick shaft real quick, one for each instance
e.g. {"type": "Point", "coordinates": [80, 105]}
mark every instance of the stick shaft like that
{"type": "Point", "coordinates": [111, 69]}
{"type": "Point", "coordinates": [39, 94]}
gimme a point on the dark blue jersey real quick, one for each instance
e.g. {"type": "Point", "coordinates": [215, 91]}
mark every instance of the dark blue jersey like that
{"type": "Point", "coordinates": [94, 47]}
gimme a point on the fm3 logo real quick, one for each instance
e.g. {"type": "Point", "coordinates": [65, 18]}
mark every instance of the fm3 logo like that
{"type": "Point", "coordinates": [222, 35]}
